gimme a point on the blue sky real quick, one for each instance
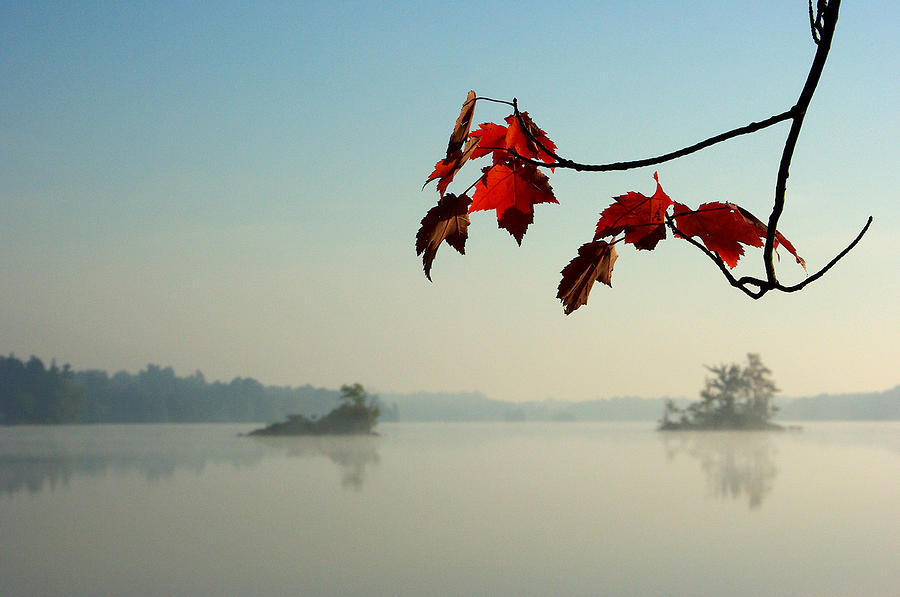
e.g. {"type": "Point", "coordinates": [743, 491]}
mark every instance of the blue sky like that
{"type": "Point", "coordinates": [235, 188]}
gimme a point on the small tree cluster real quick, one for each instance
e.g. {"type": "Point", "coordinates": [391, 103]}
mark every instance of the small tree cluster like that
{"type": "Point", "coordinates": [734, 397]}
{"type": "Point", "coordinates": [357, 413]}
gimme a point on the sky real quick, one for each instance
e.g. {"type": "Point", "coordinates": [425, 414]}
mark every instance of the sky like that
{"type": "Point", "coordinates": [235, 188]}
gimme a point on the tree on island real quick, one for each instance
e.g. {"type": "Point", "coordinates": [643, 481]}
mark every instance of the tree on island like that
{"type": "Point", "coordinates": [357, 413]}
{"type": "Point", "coordinates": [734, 397]}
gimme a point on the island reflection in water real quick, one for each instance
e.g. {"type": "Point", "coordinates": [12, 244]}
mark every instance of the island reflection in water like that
{"type": "Point", "coordinates": [736, 464]}
{"type": "Point", "coordinates": [34, 459]}
{"type": "Point", "coordinates": [351, 453]}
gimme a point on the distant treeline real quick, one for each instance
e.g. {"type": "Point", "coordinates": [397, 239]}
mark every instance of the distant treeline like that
{"type": "Point", "coordinates": [872, 406]}
{"type": "Point", "coordinates": [31, 393]}
{"type": "Point", "coordinates": [474, 406]}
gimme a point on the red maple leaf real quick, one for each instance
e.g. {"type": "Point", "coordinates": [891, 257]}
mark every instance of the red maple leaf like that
{"type": "Point", "coordinates": [594, 262]}
{"type": "Point", "coordinates": [641, 218]}
{"type": "Point", "coordinates": [779, 238]}
{"type": "Point", "coordinates": [518, 140]}
{"type": "Point", "coordinates": [491, 138]}
{"type": "Point", "coordinates": [510, 141]}
{"type": "Point", "coordinates": [447, 168]}
{"type": "Point", "coordinates": [448, 220]}
{"type": "Point", "coordinates": [718, 226]}
{"type": "Point", "coordinates": [724, 227]}
{"type": "Point", "coordinates": [512, 188]}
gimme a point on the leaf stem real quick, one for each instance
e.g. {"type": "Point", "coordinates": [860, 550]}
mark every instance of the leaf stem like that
{"type": "Point", "coordinates": [496, 101]}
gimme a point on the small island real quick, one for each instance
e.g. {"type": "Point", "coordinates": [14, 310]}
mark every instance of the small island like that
{"type": "Point", "coordinates": [734, 397]}
{"type": "Point", "coordinates": [356, 414]}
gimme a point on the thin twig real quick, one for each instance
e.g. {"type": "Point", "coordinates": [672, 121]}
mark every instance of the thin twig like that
{"type": "Point", "coordinates": [670, 222]}
{"type": "Point", "coordinates": [830, 264]}
{"type": "Point", "coordinates": [812, 23]}
{"type": "Point", "coordinates": [496, 101]}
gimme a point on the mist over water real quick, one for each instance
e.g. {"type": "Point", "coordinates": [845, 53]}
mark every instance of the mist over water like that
{"type": "Point", "coordinates": [450, 509]}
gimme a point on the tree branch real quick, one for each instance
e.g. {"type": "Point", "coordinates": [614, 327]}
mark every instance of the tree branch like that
{"type": "Point", "coordinates": [739, 284]}
{"type": "Point", "coordinates": [822, 26]}
{"type": "Point", "coordinates": [764, 286]}
{"type": "Point", "coordinates": [561, 162]}
{"type": "Point", "coordinates": [827, 15]}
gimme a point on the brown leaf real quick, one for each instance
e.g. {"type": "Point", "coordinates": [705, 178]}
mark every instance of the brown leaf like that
{"type": "Point", "coordinates": [594, 262]}
{"type": "Point", "coordinates": [447, 168]}
{"type": "Point", "coordinates": [448, 220]}
{"type": "Point", "coordinates": [463, 124]}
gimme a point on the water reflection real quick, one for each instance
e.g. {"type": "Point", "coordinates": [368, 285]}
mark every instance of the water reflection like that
{"type": "Point", "coordinates": [37, 459]}
{"type": "Point", "coordinates": [736, 464]}
{"type": "Point", "coordinates": [352, 454]}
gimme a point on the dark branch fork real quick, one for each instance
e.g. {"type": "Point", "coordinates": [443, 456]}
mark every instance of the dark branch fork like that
{"type": "Point", "coordinates": [822, 26]}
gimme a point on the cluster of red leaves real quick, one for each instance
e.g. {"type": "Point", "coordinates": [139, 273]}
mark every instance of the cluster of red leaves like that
{"type": "Point", "coordinates": [722, 228]}
{"type": "Point", "coordinates": [513, 184]}
{"type": "Point", "coordinates": [510, 185]}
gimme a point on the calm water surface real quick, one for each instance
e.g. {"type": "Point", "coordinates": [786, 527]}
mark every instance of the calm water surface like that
{"type": "Point", "coordinates": [450, 509]}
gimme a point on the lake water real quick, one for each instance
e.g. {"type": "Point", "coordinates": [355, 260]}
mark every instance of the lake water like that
{"type": "Point", "coordinates": [450, 509]}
